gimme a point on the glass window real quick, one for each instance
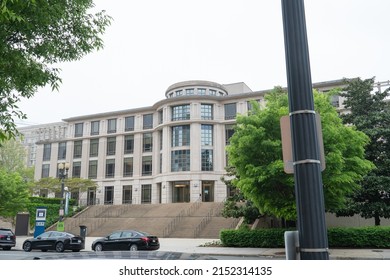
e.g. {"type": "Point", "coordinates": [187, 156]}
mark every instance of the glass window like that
{"type": "Point", "coordinates": [78, 130]}
{"type": "Point", "coordinates": [335, 100]}
{"type": "Point", "coordinates": [45, 170]}
{"type": "Point", "coordinates": [129, 123]}
{"type": "Point", "coordinates": [201, 91]}
{"type": "Point", "coordinates": [95, 127]}
{"type": "Point", "coordinates": [109, 195]}
{"type": "Point", "coordinates": [179, 92]}
{"type": "Point", "coordinates": [146, 194]}
{"type": "Point", "coordinates": [110, 168]}
{"type": "Point", "coordinates": [46, 151]}
{"type": "Point", "coordinates": [127, 194]}
{"type": "Point", "coordinates": [207, 160]}
{"type": "Point", "coordinates": [189, 91]}
{"type": "Point", "coordinates": [78, 148]}
{"type": "Point", "coordinates": [181, 112]}
{"type": "Point", "coordinates": [111, 145]}
{"type": "Point", "coordinates": [111, 126]}
{"type": "Point", "coordinates": [147, 142]}
{"type": "Point", "coordinates": [92, 169]}
{"type": "Point", "coordinates": [229, 130]}
{"type": "Point", "coordinates": [212, 92]}
{"type": "Point", "coordinates": [62, 150]}
{"type": "Point", "coordinates": [180, 135]}
{"type": "Point", "coordinates": [76, 169]}
{"type": "Point", "coordinates": [206, 111]}
{"type": "Point", "coordinates": [94, 147]}
{"type": "Point", "coordinates": [146, 165]}
{"type": "Point", "coordinates": [148, 121]}
{"type": "Point", "coordinates": [230, 111]}
{"type": "Point", "coordinates": [129, 144]}
{"type": "Point", "coordinates": [160, 139]}
{"type": "Point", "coordinates": [128, 167]}
{"type": "Point", "coordinates": [180, 160]}
{"type": "Point", "coordinates": [160, 116]}
{"type": "Point", "coordinates": [207, 135]}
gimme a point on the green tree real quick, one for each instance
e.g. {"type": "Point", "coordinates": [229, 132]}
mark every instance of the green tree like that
{"type": "Point", "coordinates": [73, 184]}
{"type": "Point", "coordinates": [369, 112]}
{"type": "Point", "coordinates": [255, 151]}
{"type": "Point", "coordinates": [12, 156]}
{"type": "Point", "coordinates": [14, 193]}
{"type": "Point", "coordinates": [36, 35]}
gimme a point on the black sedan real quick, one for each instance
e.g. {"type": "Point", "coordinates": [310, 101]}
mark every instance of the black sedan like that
{"type": "Point", "coordinates": [55, 240]}
{"type": "Point", "coordinates": [7, 239]}
{"type": "Point", "coordinates": [122, 240]}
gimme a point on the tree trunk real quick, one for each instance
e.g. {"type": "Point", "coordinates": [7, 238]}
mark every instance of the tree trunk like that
{"type": "Point", "coordinates": [377, 219]}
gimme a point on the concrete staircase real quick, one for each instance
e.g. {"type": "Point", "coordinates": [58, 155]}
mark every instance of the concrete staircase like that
{"type": "Point", "coordinates": [176, 220]}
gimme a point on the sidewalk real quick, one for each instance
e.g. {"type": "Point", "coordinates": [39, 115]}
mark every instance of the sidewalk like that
{"type": "Point", "coordinates": [204, 246]}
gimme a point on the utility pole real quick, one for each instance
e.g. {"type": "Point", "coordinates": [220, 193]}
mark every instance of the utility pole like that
{"type": "Point", "coordinates": [313, 239]}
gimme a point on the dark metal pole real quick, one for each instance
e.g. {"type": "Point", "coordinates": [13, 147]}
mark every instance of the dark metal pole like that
{"type": "Point", "coordinates": [313, 240]}
{"type": "Point", "coordinates": [62, 176]}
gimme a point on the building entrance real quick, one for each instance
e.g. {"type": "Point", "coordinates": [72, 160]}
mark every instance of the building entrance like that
{"type": "Point", "coordinates": [181, 191]}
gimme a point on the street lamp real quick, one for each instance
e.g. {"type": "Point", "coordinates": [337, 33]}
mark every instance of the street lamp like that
{"type": "Point", "coordinates": [62, 174]}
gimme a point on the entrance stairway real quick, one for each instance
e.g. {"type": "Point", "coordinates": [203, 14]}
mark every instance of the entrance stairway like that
{"type": "Point", "coordinates": [176, 220]}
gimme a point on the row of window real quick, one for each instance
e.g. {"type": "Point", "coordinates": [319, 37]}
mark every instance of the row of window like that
{"type": "Point", "coordinates": [179, 112]}
{"type": "Point", "coordinates": [180, 137]}
{"type": "Point", "coordinates": [197, 91]}
{"type": "Point", "coordinates": [180, 161]}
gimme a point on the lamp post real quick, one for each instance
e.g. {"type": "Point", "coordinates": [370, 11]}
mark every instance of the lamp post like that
{"type": "Point", "coordinates": [62, 174]}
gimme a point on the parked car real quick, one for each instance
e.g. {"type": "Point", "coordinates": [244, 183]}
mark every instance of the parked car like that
{"type": "Point", "coordinates": [7, 239]}
{"type": "Point", "coordinates": [122, 240]}
{"type": "Point", "coordinates": [55, 240]}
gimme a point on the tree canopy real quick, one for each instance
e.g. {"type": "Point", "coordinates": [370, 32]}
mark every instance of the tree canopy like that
{"type": "Point", "coordinates": [36, 35]}
{"type": "Point", "coordinates": [14, 193]}
{"type": "Point", "coordinates": [369, 112]}
{"type": "Point", "coordinates": [255, 151]}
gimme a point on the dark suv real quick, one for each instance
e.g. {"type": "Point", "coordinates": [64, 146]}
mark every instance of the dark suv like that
{"type": "Point", "coordinates": [7, 239]}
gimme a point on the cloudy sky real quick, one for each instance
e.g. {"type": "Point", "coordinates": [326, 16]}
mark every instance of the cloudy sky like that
{"type": "Point", "coordinates": [152, 44]}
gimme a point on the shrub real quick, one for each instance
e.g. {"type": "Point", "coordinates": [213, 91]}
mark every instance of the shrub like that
{"type": "Point", "coordinates": [367, 237]}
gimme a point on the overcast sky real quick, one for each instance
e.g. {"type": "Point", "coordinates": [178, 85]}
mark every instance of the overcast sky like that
{"type": "Point", "coordinates": [152, 44]}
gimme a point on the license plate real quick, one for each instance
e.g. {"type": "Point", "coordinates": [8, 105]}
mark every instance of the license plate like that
{"type": "Point", "coordinates": [8, 238]}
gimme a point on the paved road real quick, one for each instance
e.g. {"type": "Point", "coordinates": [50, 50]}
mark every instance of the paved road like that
{"type": "Point", "coordinates": [201, 249]}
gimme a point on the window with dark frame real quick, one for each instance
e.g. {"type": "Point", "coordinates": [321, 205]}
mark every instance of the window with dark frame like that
{"type": "Point", "coordinates": [230, 111]}
{"type": "Point", "coordinates": [76, 169]}
{"type": "Point", "coordinates": [129, 144]}
{"type": "Point", "coordinates": [111, 145]}
{"type": "Point", "coordinates": [78, 129]}
{"type": "Point", "coordinates": [111, 126]}
{"type": "Point", "coordinates": [92, 169]}
{"type": "Point", "coordinates": [78, 148]}
{"type": "Point", "coordinates": [62, 150]}
{"type": "Point", "coordinates": [147, 121]}
{"type": "Point", "coordinates": [129, 123]}
{"type": "Point", "coordinates": [110, 168]}
{"type": "Point", "coordinates": [94, 147]}
{"type": "Point", "coordinates": [46, 152]}
{"type": "Point", "coordinates": [95, 127]}
{"type": "Point", "coordinates": [128, 167]}
{"type": "Point", "coordinates": [147, 165]}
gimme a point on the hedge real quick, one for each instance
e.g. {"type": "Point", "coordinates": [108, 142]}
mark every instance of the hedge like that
{"type": "Point", "coordinates": [53, 207]}
{"type": "Point", "coordinates": [364, 237]}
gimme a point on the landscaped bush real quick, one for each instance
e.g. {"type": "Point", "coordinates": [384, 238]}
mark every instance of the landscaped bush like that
{"type": "Point", "coordinates": [367, 237]}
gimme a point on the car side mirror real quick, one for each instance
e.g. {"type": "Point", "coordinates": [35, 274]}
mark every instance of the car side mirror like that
{"type": "Point", "coordinates": [39, 237]}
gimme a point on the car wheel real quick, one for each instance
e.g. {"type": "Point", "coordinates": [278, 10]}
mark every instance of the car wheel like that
{"type": "Point", "coordinates": [27, 246]}
{"type": "Point", "coordinates": [133, 247]}
{"type": "Point", "coordinates": [98, 247]}
{"type": "Point", "coordinates": [60, 247]}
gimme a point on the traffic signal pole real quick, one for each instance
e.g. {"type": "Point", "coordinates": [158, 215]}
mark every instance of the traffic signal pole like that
{"type": "Point", "coordinates": [313, 240]}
